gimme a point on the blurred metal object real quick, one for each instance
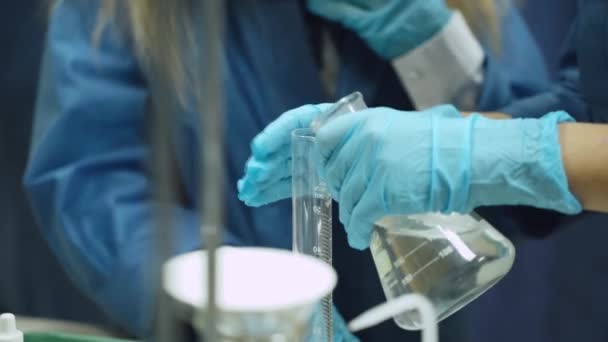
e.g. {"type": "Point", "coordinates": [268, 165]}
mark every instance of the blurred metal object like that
{"type": "Point", "coordinates": [209, 101]}
{"type": "Point", "coordinates": [211, 116]}
{"type": "Point", "coordinates": [162, 128]}
{"type": "Point", "coordinates": [164, 196]}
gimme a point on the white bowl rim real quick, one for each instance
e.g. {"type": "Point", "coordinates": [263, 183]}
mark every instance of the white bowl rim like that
{"type": "Point", "coordinates": [177, 292]}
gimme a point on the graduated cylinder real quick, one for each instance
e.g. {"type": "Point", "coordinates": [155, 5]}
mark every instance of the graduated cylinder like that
{"type": "Point", "coordinates": [312, 221]}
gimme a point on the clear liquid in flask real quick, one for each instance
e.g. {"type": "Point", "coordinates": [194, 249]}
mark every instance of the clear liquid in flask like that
{"type": "Point", "coordinates": [450, 259]}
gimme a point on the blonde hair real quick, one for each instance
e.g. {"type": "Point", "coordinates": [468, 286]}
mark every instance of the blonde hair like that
{"type": "Point", "coordinates": [162, 29]}
{"type": "Point", "coordinates": [483, 16]}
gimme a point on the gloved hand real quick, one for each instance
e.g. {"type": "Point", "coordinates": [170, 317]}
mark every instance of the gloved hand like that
{"type": "Point", "coordinates": [381, 162]}
{"type": "Point", "coordinates": [268, 171]}
{"type": "Point", "coordinates": [340, 332]}
{"type": "Point", "coordinates": [390, 27]}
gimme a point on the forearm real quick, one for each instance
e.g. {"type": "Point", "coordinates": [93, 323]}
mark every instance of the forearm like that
{"type": "Point", "coordinates": [490, 115]}
{"type": "Point", "coordinates": [585, 157]}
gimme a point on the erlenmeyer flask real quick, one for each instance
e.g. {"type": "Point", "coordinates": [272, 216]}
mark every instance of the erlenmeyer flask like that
{"type": "Point", "coordinates": [449, 259]}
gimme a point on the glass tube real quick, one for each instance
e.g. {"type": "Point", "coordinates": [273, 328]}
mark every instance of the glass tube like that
{"type": "Point", "coordinates": [312, 219]}
{"type": "Point", "coordinates": [312, 203]}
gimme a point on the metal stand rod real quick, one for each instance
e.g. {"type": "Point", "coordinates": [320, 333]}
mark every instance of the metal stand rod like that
{"type": "Point", "coordinates": [162, 126]}
{"type": "Point", "coordinates": [212, 171]}
{"type": "Point", "coordinates": [164, 188]}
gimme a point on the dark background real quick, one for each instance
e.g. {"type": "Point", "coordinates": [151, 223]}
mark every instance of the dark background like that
{"type": "Point", "coordinates": [553, 293]}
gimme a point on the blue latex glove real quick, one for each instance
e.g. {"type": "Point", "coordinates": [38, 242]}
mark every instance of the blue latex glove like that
{"type": "Point", "coordinates": [381, 162]}
{"type": "Point", "coordinates": [390, 27]}
{"type": "Point", "coordinates": [341, 332]}
{"type": "Point", "coordinates": [268, 171]}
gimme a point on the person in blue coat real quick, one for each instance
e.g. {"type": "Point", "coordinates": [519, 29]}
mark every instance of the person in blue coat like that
{"type": "Point", "coordinates": [25, 257]}
{"type": "Point", "coordinates": [86, 176]}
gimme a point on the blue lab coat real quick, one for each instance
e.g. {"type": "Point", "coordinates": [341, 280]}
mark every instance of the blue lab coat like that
{"type": "Point", "coordinates": [86, 176]}
{"type": "Point", "coordinates": [557, 289]}
{"type": "Point", "coordinates": [31, 277]}
{"type": "Point", "coordinates": [549, 27]}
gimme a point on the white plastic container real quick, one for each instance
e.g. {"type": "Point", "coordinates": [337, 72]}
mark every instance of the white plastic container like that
{"type": "Point", "coordinates": [8, 329]}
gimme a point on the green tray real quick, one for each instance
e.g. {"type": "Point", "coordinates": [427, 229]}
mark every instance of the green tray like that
{"type": "Point", "coordinates": [59, 337]}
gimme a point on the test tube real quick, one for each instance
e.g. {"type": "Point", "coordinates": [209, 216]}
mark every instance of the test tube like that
{"type": "Point", "coordinates": [312, 202]}
{"type": "Point", "coordinates": [312, 219]}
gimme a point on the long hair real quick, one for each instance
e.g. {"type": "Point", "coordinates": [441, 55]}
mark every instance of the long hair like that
{"type": "Point", "coordinates": [483, 16]}
{"type": "Point", "coordinates": [161, 29]}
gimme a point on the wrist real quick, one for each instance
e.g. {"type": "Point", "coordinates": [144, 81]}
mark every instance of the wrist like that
{"type": "Point", "coordinates": [554, 167]}
{"type": "Point", "coordinates": [584, 156]}
{"type": "Point", "coordinates": [518, 162]}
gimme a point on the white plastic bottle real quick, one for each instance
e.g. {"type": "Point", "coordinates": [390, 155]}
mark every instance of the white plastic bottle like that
{"type": "Point", "coordinates": [8, 329]}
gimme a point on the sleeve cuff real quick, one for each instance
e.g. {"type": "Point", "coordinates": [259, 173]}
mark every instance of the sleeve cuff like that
{"type": "Point", "coordinates": [447, 68]}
